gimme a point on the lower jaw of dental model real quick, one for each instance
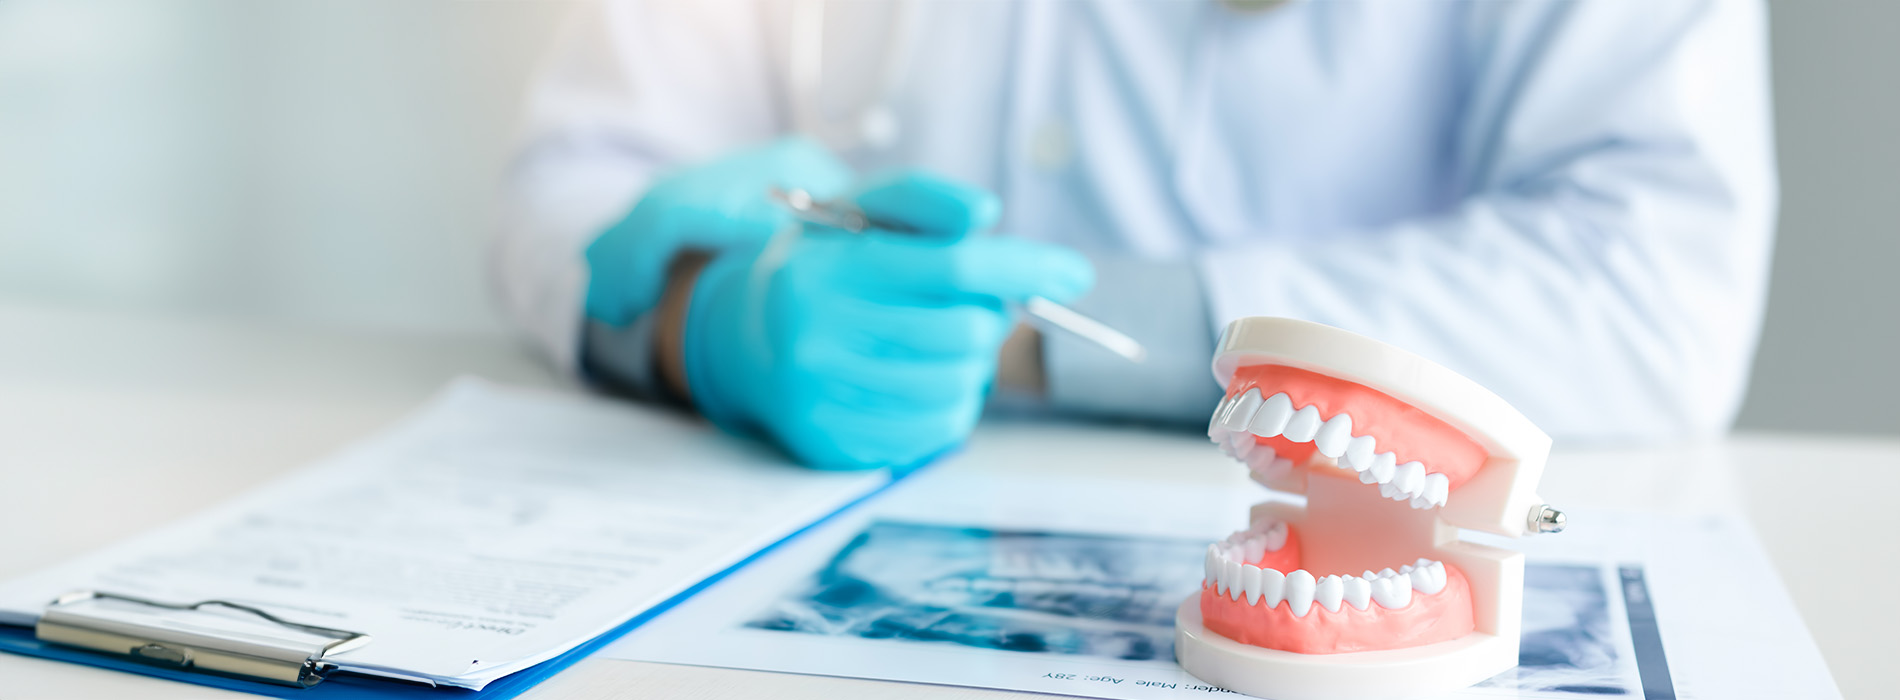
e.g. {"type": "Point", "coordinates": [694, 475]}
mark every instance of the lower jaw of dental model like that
{"type": "Point", "coordinates": [1255, 603]}
{"type": "Point", "coordinates": [1366, 590]}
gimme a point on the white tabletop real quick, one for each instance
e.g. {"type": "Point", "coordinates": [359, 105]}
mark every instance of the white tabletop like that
{"type": "Point", "coordinates": [115, 423]}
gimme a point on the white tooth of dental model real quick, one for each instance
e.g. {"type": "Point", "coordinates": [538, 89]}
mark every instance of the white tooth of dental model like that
{"type": "Point", "coordinates": [1359, 453]}
{"type": "Point", "coordinates": [1437, 489]}
{"type": "Point", "coordinates": [1357, 592]}
{"type": "Point", "coordinates": [1410, 478]}
{"type": "Point", "coordinates": [1303, 426]}
{"type": "Point", "coordinates": [1242, 412]}
{"type": "Point", "coordinates": [1260, 457]}
{"type": "Point", "coordinates": [1329, 593]}
{"type": "Point", "coordinates": [1218, 426]}
{"type": "Point", "coordinates": [1213, 565]}
{"type": "Point", "coordinates": [1334, 435]}
{"type": "Point", "coordinates": [1299, 592]}
{"type": "Point", "coordinates": [1429, 579]}
{"type": "Point", "coordinates": [1390, 437]}
{"type": "Point", "coordinates": [1215, 431]}
{"type": "Point", "coordinates": [1392, 592]}
{"type": "Point", "coordinates": [1271, 420]}
{"type": "Point", "coordinates": [1275, 537]}
{"type": "Point", "coordinates": [1383, 466]}
{"type": "Point", "coordinates": [1243, 444]}
{"type": "Point", "coordinates": [1272, 587]}
{"type": "Point", "coordinates": [1256, 547]}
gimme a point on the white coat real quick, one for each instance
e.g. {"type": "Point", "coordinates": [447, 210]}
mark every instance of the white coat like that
{"type": "Point", "coordinates": [1569, 202]}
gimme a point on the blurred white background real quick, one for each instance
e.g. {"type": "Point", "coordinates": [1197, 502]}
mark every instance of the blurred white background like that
{"type": "Point", "coordinates": [333, 163]}
{"type": "Point", "coordinates": [329, 161]}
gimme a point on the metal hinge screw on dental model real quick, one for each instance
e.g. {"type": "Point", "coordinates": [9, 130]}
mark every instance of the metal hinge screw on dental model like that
{"type": "Point", "coordinates": [1546, 519]}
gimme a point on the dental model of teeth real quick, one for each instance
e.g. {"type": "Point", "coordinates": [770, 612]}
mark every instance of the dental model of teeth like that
{"type": "Point", "coordinates": [1317, 601]}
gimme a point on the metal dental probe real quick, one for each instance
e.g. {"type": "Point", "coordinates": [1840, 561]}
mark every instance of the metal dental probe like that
{"type": "Point", "coordinates": [846, 217]}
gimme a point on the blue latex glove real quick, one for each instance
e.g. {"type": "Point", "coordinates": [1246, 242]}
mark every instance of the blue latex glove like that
{"type": "Point", "coordinates": [868, 350]}
{"type": "Point", "coordinates": [709, 207]}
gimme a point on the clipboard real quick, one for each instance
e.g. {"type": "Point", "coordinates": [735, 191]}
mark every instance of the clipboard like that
{"type": "Point", "coordinates": [22, 640]}
{"type": "Point", "coordinates": [250, 644]}
{"type": "Point", "coordinates": [27, 641]}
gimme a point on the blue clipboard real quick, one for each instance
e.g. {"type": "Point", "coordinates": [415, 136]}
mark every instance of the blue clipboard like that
{"type": "Point", "coordinates": [21, 640]}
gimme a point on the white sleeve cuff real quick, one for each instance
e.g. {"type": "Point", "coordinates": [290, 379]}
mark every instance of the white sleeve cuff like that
{"type": "Point", "coordinates": [1161, 305]}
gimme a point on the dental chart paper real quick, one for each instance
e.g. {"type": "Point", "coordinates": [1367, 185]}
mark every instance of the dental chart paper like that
{"type": "Point", "coordinates": [493, 530]}
{"type": "Point", "coordinates": [1069, 586]}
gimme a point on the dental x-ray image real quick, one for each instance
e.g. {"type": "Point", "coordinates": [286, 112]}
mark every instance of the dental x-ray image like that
{"type": "Point", "coordinates": [1115, 596]}
{"type": "Point", "coordinates": [1569, 644]}
{"type": "Point", "coordinates": [1059, 593]}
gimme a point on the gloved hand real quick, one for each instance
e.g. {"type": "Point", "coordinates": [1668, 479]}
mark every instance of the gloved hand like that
{"type": "Point", "coordinates": [709, 207]}
{"type": "Point", "coordinates": [868, 350]}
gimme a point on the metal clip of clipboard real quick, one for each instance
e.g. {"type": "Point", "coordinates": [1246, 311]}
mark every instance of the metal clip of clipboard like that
{"type": "Point", "coordinates": [280, 652]}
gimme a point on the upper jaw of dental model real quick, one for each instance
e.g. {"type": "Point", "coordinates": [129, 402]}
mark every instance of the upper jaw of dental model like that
{"type": "Point", "coordinates": [1331, 436]}
{"type": "Point", "coordinates": [1276, 418]}
{"type": "Point", "coordinates": [1406, 406]}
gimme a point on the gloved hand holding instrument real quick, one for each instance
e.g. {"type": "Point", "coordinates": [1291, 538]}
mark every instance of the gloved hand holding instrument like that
{"type": "Point", "coordinates": [849, 350]}
{"type": "Point", "coordinates": [874, 349]}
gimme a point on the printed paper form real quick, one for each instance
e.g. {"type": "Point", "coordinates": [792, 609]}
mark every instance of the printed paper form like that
{"type": "Point", "coordinates": [493, 530]}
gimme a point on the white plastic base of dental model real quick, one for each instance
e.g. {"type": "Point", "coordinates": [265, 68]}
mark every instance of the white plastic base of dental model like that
{"type": "Point", "coordinates": [1283, 675]}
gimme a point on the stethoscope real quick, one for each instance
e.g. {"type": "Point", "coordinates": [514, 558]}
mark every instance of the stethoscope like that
{"type": "Point", "coordinates": [875, 124]}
